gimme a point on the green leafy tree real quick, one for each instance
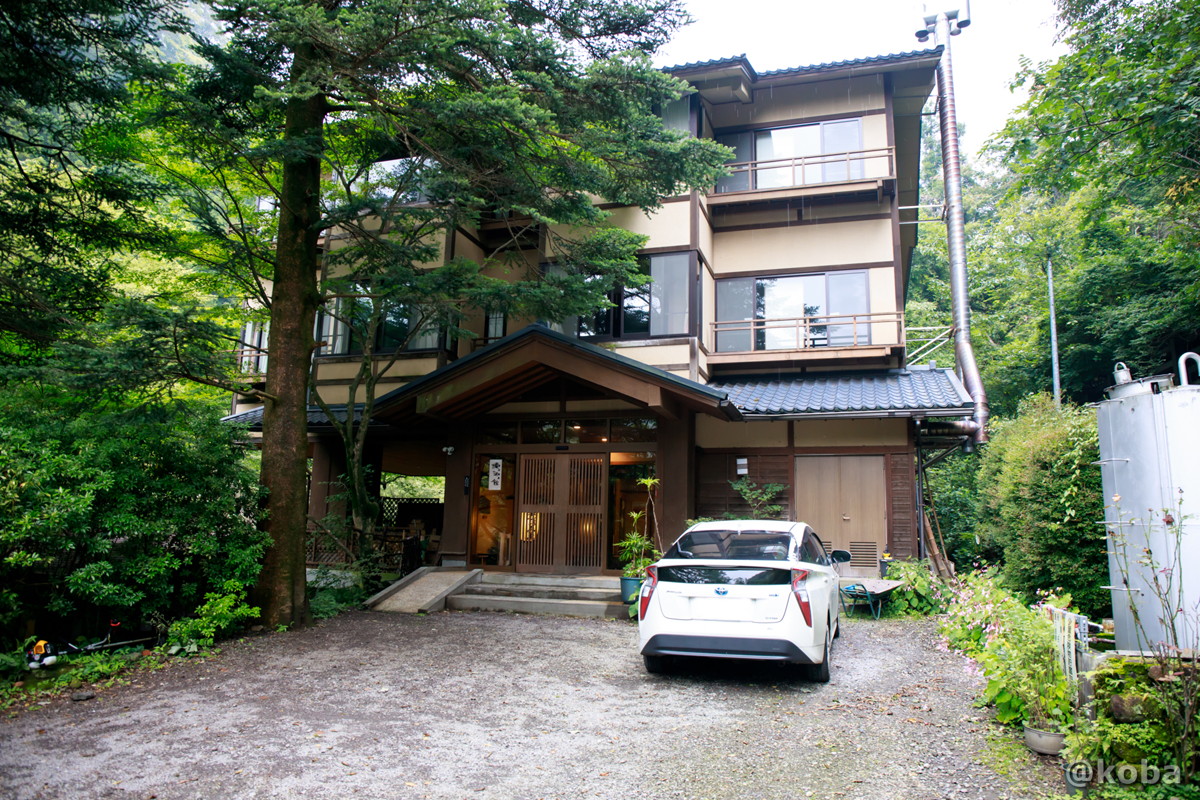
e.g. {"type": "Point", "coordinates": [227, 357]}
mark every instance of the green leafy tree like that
{"type": "Point", "coordinates": [524, 110]}
{"type": "Point", "coordinates": [1116, 117]}
{"type": "Point", "coordinates": [69, 201]}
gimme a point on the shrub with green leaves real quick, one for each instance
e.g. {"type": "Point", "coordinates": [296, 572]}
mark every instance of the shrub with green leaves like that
{"type": "Point", "coordinates": [1014, 645]}
{"type": "Point", "coordinates": [139, 515]}
{"type": "Point", "coordinates": [922, 593]}
{"type": "Point", "coordinates": [1042, 500]}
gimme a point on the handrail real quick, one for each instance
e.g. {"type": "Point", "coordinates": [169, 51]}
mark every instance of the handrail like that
{"type": "Point", "coordinates": [807, 332]}
{"type": "Point", "coordinates": [799, 166]}
{"type": "Point", "coordinates": [925, 345]}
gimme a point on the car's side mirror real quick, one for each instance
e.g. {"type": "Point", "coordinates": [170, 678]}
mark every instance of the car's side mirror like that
{"type": "Point", "coordinates": [840, 556]}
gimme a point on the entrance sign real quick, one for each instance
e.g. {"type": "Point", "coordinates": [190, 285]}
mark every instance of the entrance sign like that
{"type": "Point", "coordinates": [495, 474]}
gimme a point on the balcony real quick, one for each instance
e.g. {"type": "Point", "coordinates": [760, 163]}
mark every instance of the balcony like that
{"type": "Point", "coordinates": [830, 337]}
{"type": "Point", "coordinates": [782, 177]}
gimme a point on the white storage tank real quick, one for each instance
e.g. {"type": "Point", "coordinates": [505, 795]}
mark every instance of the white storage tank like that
{"type": "Point", "coordinates": [1150, 460]}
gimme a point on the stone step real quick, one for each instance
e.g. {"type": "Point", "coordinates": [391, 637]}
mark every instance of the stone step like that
{"type": "Point", "coordinates": [609, 594]}
{"type": "Point", "coordinates": [612, 583]}
{"type": "Point", "coordinates": [536, 605]}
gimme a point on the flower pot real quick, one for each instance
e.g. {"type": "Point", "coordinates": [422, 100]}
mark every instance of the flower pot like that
{"type": "Point", "coordinates": [1044, 742]}
{"type": "Point", "coordinates": [630, 589]}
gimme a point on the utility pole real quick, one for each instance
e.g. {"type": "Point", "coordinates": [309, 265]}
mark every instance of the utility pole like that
{"type": "Point", "coordinates": [1053, 332]}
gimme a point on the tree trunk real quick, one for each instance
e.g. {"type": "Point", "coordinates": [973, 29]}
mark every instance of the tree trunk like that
{"type": "Point", "coordinates": [294, 300]}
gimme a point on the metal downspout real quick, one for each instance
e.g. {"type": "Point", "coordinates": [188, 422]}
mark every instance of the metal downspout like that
{"type": "Point", "coordinates": [956, 234]}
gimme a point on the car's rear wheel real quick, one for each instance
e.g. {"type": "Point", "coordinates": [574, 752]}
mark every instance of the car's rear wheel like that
{"type": "Point", "coordinates": [820, 672]}
{"type": "Point", "coordinates": [655, 665]}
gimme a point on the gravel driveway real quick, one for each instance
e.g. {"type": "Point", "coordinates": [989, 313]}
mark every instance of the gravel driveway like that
{"type": "Point", "coordinates": [486, 705]}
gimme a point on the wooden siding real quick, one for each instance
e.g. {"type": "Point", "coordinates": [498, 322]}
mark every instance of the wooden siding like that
{"type": "Point", "coordinates": [901, 484]}
{"type": "Point", "coordinates": [714, 471]}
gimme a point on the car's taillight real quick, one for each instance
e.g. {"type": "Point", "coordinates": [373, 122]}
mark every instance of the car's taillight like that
{"type": "Point", "coordinates": [647, 590]}
{"type": "Point", "coordinates": [800, 590]}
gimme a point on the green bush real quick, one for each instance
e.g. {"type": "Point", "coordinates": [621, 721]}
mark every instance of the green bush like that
{"type": "Point", "coordinates": [922, 593]}
{"type": "Point", "coordinates": [218, 614]}
{"type": "Point", "coordinates": [1014, 645]}
{"type": "Point", "coordinates": [139, 515]}
{"type": "Point", "coordinates": [1041, 502]}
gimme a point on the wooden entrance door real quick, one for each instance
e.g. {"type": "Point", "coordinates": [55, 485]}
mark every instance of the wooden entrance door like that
{"type": "Point", "coordinates": [562, 502]}
{"type": "Point", "coordinates": [844, 499]}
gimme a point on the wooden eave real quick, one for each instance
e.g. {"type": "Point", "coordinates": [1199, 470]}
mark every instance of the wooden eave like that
{"type": "Point", "coordinates": [529, 359]}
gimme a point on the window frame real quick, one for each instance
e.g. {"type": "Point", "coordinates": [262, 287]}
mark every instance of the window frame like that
{"type": "Point", "coordinates": [342, 340]}
{"type": "Point", "coordinates": [751, 177]}
{"type": "Point", "coordinates": [614, 327]}
{"type": "Point", "coordinates": [758, 334]}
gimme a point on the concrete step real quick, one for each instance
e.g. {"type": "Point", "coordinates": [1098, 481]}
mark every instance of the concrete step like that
{"type": "Point", "coordinates": [565, 581]}
{"type": "Point", "coordinates": [610, 594]}
{"type": "Point", "coordinates": [536, 605]}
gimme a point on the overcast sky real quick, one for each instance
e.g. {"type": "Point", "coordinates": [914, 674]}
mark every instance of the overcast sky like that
{"type": "Point", "coordinates": [775, 34]}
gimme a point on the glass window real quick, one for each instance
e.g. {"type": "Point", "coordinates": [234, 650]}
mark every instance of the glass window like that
{"type": "Point", "coordinates": [792, 312]}
{"type": "Point", "coordinates": [542, 431]}
{"type": "Point", "coordinates": [670, 301]}
{"type": "Point", "coordinates": [634, 430]}
{"type": "Point", "coordinates": [662, 307]}
{"type": "Point", "coordinates": [820, 152]}
{"type": "Point", "coordinates": [343, 328]}
{"type": "Point", "coordinates": [253, 350]}
{"type": "Point", "coordinates": [737, 576]}
{"type": "Point", "coordinates": [499, 433]}
{"type": "Point", "coordinates": [677, 114]}
{"type": "Point", "coordinates": [726, 544]}
{"type": "Point", "coordinates": [742, 145]}
{"type": "Point", "coordinates": [587, 431]}
{"type": "Point", "coordinates": [493, 327]}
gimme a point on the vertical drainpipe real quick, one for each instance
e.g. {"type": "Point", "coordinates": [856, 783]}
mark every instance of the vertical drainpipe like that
{"type": "Point", "coordinates": [956, 234]}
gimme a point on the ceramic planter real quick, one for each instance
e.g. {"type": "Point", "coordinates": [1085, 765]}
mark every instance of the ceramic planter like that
{"type": "Point", "coordinates": [630, 589]}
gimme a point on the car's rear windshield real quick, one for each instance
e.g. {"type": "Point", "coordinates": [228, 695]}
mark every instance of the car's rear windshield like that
{"type": "Point", "coordinates": [744, 576]}
{"type": "Point", "coordinates": [725, 544]}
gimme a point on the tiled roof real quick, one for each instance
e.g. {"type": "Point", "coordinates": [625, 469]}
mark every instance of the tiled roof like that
{"type": "Point", "coordinates": [316, 417]}
{"type": "Point", "coordinates": [742, 61]}
{"type": "Point", "coordinates": [908, 392]}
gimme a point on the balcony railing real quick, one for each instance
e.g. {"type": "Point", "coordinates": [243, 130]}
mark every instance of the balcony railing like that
{"type": "Point", "coordinates": [788, 173]}
{"type": "Point", "coordinates": [809, 332]}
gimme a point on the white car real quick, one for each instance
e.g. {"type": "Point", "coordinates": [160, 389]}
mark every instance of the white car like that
{"type": "Point", "coordinates": [751, 589]}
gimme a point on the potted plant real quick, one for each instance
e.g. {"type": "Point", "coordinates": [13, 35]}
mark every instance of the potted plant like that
{"type": "Point", "coordinates": [1024, 664]}
{"type": "Point", "coordinates": [638, 549]}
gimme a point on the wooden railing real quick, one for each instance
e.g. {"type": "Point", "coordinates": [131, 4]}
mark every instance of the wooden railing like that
{"type": "Point", "coordinates": [805, 333]}
{"type": "Point", "coordinates": [786, 173]}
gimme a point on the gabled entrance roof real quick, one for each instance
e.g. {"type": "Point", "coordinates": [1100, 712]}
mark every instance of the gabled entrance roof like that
{"type": "Point", "coordinates": [535, 356]}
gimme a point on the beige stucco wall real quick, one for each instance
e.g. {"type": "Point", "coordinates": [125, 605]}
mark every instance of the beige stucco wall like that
{"type": "Point", "coordinates": [882, 283]}
{"type": "Point", "coordinates": [804, 101]}
{"type": "Point", "coordinates": [670, 356]}
{"type": "Point", "coordinates": [850, 432]}
{"type": "Point", "coordinates": [669, 226]}
{"type": "Point", "coordinates": [341, 394]}
{"type": "Point", "coordinates": [805, 246]}
{"type": "Point", "coordinates": [713, 433]}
